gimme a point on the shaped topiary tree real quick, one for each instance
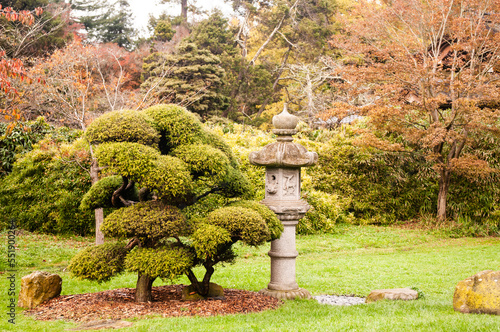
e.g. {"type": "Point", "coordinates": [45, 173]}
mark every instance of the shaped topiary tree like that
{"type": "Point", "coordinates": [178, 196]}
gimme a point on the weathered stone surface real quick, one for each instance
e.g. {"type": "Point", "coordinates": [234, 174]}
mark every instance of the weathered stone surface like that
{"type": "Point", "coordinates": [405, 294]}
{"type": "Point", "coordinates": [298, 293]}
{"type": "Point", "coordinates": [283, 160]}
{"type": "Point", "coordinates": [478, 294]}
{"type": "Point", "coordinates": [285, 120]}
{"type": "Point", "coordinates": [38, 287]}
{"type": "Point", "coordinates": [214, 291]}
{"type": "Point", "coordinates": [102, 324]}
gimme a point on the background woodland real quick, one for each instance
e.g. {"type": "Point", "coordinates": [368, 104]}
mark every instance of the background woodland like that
{"type": "Point", "coordinates": [399, 98]}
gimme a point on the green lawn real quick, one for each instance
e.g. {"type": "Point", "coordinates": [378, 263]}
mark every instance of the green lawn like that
{"type": "Point", "coordinates": [354, 261]}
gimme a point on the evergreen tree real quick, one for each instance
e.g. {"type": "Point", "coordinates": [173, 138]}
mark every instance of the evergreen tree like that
{"type": "Point", "coordinates": [195, 79]}
{"type": "Point", "coordinates": [245, 86]}
{"type": "Point", "coordinates": [107, 23]}
{"type": "Point", "coordinates": [118, 27]}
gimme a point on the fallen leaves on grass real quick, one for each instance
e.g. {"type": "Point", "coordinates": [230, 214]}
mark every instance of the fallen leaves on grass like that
{"type": "Point", "coordinates": [119, 304]}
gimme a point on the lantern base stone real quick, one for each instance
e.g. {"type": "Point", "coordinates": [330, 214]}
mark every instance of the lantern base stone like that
{"type": "Point", "coordinates": [299, 293]}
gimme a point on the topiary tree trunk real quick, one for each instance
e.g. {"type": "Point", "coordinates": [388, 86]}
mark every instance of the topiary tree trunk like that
{"type": "Point", "coordinates": [143, 288]}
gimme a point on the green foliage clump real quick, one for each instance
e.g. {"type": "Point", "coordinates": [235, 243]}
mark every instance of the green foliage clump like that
{"type": "Point", "coordinates": [176, 126]}
{"type": "Point", "coordinates": [273, 223]}
{"type": "Point", "coordinates": [100, 262]}
{"type": "Point", "coordinates": [203, 160]}
{"type": "Point", "coordinates": [44, 190]}
{"type": "Point", "coordinates": [163, 31]}
{"type": "Point", "coordinates": [23, 136]}
{"type": "Point", "coordinates": [147, 167]}
{"type": "Point", "coordinates": [326, 211]}
{"type": "Point", "coordinates": [236, 184]}
{"type": "Point", "coordinates": [207, 240]}
{"type": "Point", "coordinates": [166, 263]}
{"type": "Point", "coordinates": [380, 187]}
{"type": "Point", "coordinates": [122, 126]}
{"type": "Point", "coordinates": [150, 220]}
{"type": "Point", "coordinates": [204, 206]}
{"type": "Point", "coordinates": [245, 224]}
{"type": "Point", "coordinates": [99, 195]}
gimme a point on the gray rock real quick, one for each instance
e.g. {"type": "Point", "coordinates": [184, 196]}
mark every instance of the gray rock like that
{"type": "Point", "coordinates": [405, 294]}
{"type": "Point", "coordinates": [341, 300]}
{"type": "Point", "coordinates": [38, 287]}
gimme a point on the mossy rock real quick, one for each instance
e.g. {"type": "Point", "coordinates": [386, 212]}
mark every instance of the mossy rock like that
{"type": "Point", "coordinates": [478, 294]}
{"type": "Point", "coordinates": [214, 291]}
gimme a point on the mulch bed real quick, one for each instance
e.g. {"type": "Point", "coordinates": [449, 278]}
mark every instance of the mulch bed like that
{"type": "Point", "coordinates": [119, 304]}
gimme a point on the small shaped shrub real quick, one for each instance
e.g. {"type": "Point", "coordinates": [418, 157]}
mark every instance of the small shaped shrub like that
{"type": "Point", "coordinates": [99, 263]}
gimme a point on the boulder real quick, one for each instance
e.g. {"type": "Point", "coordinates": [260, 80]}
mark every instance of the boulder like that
{"type": "Point", "coordinates": [214, 291]}
{"type": "Point", "coordinates": [405, 294]}
{"type": "Point", "coordinates": [38, 287]}
{"type": "Point", "coordinates": [478, 294]}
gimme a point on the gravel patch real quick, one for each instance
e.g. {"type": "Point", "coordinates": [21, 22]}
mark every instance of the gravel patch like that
{"type": "Point", "coordinates": [339, 299]}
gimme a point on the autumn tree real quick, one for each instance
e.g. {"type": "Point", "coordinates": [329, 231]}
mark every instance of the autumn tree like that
{"type": "Point", "coordinates": [172, 183]}
{"type": "Point", "coordinates": [51, 29]}
{"type": "Point", "coordinates": [12, 68]}
{"type": "Point", "coordinates": [430, 70]}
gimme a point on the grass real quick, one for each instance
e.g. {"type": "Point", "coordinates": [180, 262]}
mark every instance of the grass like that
{"type": "Point", "coordinates": [355, 260]}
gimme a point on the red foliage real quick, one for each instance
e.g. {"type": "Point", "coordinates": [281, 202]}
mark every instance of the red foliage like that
{"type": "Point", "coordinates": [13, 68]}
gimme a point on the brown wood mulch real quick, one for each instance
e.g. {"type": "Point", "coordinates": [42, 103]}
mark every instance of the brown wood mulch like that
{"type": "Point", "coordinates": [119, 304]}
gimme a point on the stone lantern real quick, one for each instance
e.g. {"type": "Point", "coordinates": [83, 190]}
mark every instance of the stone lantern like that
{"type": "Point", "coordinates": [283, 160]}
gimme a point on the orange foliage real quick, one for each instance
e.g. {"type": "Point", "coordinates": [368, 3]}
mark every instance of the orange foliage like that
{"type": "Point", "coordinates": [13, 68]}
{"type": "Point", "coordinates": [427, 70]}
{"type": "Point", "coordinates": [80, 82]}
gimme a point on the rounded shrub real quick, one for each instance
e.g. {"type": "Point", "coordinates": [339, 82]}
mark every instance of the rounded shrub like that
{"type": "Point", "coordinates": [203, 160]}
{"type": "Point", "coordinates": [273, 223]}
{"type": "Point", "coordinates": [245, 224]}
{"type": "Point", "coordinates": [236, 184]}
{"type": "Point", "coordinates": [44, 190]}
{"type": "Point", "coordinates": [152, 219]}
{"type": "Point", "coordinates": [207, 240]}
{"type": "Point", "coordinates": [122, 126]}
{"type": "Point", "coordinates": [167, 263]}
{"type": "Point", "coordinates": [326, 211]}
{"type": "Point", "coordinates": [176, 125]}
{"type": "Point", "coordinates": [99, 263]}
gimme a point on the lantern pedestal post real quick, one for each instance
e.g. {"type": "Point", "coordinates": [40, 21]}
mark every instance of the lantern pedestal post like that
{"type": "Point", "coordinates": [283, 161]}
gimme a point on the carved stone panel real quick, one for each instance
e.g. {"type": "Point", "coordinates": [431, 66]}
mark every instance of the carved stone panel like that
{"type": "Point", "coordinates": [282, 184]}
{"type": "Point", "coordinates": [291, 183]}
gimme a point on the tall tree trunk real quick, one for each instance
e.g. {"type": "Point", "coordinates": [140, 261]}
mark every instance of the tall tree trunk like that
{"type": "Point", "coordinates": [184, 10]}
{"type": "Point", "coordinates": [98, 213]}
{"type": "Point", "coordinates": [444, 185]}
{"type": "Point", "coordinates": [143, 288]}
